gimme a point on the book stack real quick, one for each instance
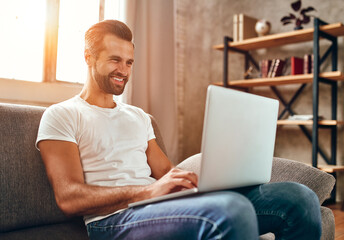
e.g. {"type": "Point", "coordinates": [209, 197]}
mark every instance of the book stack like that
{"type": "Point", "coordinates": [243, 27]}
{"type": "Point", "coordinates": [272, 68]}
{"type": "Point", "coordinates": [289, 66]}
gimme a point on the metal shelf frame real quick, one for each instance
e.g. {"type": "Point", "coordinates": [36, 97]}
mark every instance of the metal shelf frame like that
{"type": "Point", "coordinates": [314, 135]}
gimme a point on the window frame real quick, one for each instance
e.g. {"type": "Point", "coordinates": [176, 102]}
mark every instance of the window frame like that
{"type": "Point", "coordinates": [50, 41]}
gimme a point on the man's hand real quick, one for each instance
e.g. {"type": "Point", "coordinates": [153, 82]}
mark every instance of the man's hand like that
{"type": "Point", "coordinates": [173, 181]}
{"type": "Point", "coordinates": [169, 179]}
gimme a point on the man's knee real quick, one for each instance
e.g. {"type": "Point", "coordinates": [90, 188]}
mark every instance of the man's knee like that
{"type": "Point", "coordinates": [234, 213]}
{"type": "Point", "coordinates": [306, 204]}
{"type": "Point", "coordinates": [303, 208]}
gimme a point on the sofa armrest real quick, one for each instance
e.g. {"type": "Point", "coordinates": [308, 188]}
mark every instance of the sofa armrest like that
{"type": "Point", "coordinates": [288, 170]}
{"type": "Point", "coordinates": [328, 223]}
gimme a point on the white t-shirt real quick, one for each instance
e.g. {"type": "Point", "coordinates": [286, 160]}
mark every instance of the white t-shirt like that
{"type": "Point", "coordinates": [112, 142]}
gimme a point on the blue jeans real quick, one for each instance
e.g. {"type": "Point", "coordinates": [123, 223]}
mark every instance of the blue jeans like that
{"type": "Point", "coordinates": [289, 210]}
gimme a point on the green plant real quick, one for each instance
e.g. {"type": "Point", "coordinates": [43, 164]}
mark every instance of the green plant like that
{"type": "Point", "coordinates": [302, 17]}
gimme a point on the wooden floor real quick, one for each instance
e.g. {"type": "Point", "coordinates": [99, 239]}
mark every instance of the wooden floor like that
{"type": "Point", "coordinates": [339, 220]}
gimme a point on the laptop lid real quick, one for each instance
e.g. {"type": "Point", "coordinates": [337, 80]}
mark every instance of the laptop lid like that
{"type": "Point", "coordinates": [238, 139]}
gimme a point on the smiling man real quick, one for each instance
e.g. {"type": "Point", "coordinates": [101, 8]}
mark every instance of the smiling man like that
{"type": "Point", "coordinates": [101, 155]}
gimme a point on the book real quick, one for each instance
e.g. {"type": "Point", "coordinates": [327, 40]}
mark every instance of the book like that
{"type": "Point", "coordinates": [246, 27]}
{"type": "Point", "coordinates": [262, 64]}
{"type": "Point", "coordinates": [303, 117]}
{"type": "Point", "coordinates": [287, 67]}
{"type": "Point", "coordinates": [308, 63]}
{"type": "Point", "coordinates": [278, 68]}
{"type": "Point", "coordinates": [271, 68]}
{"type": "Point", "coordinates": [235, 27]}
{"type": "Point", "coordinates": [296, 65]}
{"type": "Point", "coordinates": [265, 65]}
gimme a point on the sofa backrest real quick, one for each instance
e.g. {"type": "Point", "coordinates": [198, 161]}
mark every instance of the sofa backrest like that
{"type": "Point", "coordinates": [158, 135]}
{"type": "Point", "coordinates": [26, 196]}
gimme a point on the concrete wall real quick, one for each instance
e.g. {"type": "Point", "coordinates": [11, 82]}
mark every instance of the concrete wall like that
{"type": "Point", "coordinates": [205, 22]}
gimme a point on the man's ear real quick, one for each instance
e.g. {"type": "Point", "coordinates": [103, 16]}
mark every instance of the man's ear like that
{"type": "Point", "coordinates": [88, 57]}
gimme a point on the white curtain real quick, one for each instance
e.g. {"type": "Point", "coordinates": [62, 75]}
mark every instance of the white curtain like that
{"type": "Point", "coordinates": [152, 85]}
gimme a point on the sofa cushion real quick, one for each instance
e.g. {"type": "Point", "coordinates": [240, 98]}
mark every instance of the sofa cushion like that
{"type": "Point", "coordinates": [26, 196]}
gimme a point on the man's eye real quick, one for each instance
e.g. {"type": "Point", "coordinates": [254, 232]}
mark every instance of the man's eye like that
{"type": "Point", "coordinates": [115, 60]}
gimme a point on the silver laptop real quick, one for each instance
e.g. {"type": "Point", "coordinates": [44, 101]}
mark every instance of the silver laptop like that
{"type": "Point", "coordinates": [237, 144]}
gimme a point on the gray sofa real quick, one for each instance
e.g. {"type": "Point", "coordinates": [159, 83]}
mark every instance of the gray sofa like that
{"type": "Point", "coordinates": [27, 205]}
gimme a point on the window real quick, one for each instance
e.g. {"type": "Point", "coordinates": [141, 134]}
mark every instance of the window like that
{"type": "Point", "coordinates": [71, 65]}
{"type": "Point", "coordinates": [115, 9]}
{"type": "Point", "coordinates": [22, 25]}
{"type": "Point", "coordinates": [23, 29]}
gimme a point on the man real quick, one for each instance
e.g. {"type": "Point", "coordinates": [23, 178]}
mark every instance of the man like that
{"type": "Point", "coordinates": [101, 155]}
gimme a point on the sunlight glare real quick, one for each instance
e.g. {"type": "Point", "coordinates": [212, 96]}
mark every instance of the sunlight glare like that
{"type": "Point", "coordinates": [75, 18]}
{"type": "Point", "coordinates": [22, 25]}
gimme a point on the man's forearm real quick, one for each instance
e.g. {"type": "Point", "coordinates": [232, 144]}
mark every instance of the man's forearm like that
{"type": "Point", "coordinates": [83, 199]}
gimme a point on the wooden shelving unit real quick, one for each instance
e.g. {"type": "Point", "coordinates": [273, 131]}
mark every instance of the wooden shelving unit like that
{"type": "Point", "coordinates": [321, 30]}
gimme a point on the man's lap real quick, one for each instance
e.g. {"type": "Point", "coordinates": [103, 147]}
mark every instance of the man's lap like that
{"type": "Point", "coordinates": [205, 214]}
{"type": "Point", "coordinates": [271, 202]}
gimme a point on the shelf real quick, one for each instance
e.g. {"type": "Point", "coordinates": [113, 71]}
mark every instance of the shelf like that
{"type": "Point", "coordinates": [331, 168]}
{"type": "Point", "coordinates": [292, 79]}
{"type": "Point", "coordinates": [310, 122]}
{"type": "Point", "coordinates": [279, 39]}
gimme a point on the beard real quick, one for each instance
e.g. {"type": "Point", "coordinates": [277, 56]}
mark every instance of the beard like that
{"type": "Point", "coordinates": [106, 84]}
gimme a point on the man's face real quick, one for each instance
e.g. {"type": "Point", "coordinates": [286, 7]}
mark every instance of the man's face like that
{"type": "Point", "coordinates": [112, 69]}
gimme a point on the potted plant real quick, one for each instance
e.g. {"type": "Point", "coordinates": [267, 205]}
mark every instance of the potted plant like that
{"type": "Point", "coordinates": [301, 16]}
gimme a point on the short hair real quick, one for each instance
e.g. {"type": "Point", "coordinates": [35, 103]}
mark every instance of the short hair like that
{"type": "Point", "coordinates": [95, 34]}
